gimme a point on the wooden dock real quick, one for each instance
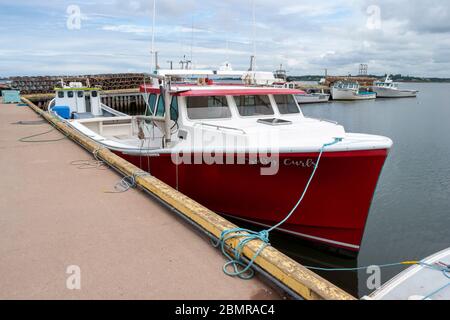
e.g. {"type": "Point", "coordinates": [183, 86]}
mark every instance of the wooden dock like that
{"type": "Point", "coordinates": [54, 214]}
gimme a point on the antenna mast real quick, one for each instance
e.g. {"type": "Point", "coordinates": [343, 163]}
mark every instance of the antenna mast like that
{"type": "Point", "coordinates": [254, 28]}
{"type": "Point", "coordinates": [192, 39]}
{"type": "Point", "coordinates": [253, 57]}
{"type": "Point", "coordinates": [153, 37]}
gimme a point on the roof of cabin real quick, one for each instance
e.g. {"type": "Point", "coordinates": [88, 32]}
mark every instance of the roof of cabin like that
{"type": "Point", "coordinates": [220, 90]}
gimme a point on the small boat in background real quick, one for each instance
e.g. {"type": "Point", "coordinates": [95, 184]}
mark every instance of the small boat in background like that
{"type": "Point", "coordinates": [429, 280]}
{"type": "Point", "coordinates": [280, 74]}
{"type": "Point", "coordinates": [74, 102]}
{"type": "Point", "coordinates": [350, 91]}
{"type": "Point", "coordinates": [313, 97]}
{"type": "Point", "coordinates": [308, 97]}
{"type": "Point", "coordinates": [390, 89]}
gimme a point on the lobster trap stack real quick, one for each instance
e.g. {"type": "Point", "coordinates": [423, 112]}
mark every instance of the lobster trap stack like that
{"type": "Point", "coordinates": [47, 84]}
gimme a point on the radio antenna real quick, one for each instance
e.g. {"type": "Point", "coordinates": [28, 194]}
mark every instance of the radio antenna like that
{"type": "Point", "coordinates": [153, 36]}
{"type": "Point", "coordinates": [253, 56]}
{"type": "Point", "coordinates": [254, 28]}
{"type": "Point", "coordinates": [192, 40]}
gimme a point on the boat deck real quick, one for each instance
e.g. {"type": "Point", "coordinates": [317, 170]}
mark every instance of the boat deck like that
{"type": "Point", "coordinates": [54, 214]}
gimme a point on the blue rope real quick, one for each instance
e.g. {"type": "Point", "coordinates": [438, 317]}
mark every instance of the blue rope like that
{"type": "Point", "coordinates": [240, 268]}
{"type": "Point", "coordinates": [445, 272]}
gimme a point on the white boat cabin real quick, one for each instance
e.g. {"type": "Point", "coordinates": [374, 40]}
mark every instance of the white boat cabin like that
{"type": "Point", "coordinates": [219, 109]}
{"type": "Point", "coordinates": [347, 85]}
{"type": "Point", "coordinates": [388, 84]}
{"type": "Point", "coordinates": [77, 102]}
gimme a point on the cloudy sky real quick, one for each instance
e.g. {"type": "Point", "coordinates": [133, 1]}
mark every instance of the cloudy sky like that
{"type": "Point", "coordinates": [100, 36]}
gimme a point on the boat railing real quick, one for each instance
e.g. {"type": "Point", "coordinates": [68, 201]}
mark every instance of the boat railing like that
{"type": "Point", "coordinates": [219, 127]}
{"type": "Point", "coordinates": [111, 110]}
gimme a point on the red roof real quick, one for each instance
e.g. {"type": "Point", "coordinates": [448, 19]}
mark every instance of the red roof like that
{"type": "Point", "coordinates": [148, 89]}
{"type": "Point", "coordinates": [243, 91]}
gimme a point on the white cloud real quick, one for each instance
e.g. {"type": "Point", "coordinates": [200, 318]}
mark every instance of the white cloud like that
{"type": "Point", "coordinates": [305, 35]}
{"type": "Point", "coordinates": [310, 10]}
{"type": "Point", "coordinates": [126, 28]}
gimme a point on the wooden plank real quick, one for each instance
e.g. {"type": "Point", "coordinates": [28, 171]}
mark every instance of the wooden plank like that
{"type": "Point", "coordinates": [289, 272]}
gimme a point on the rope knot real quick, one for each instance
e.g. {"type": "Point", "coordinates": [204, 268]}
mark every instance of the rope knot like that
{"type": "Point", "coordinates": [264, 236]}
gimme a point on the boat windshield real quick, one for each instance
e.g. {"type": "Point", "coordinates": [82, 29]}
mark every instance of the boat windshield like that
{"type": "Point", "coordinates": [286, 104]}
{"type": "Point", "coordinates": [214, 107]}
{"type": "Point", "coordinates": [386, 84]}
{"type": "Point", "coordinates": [250, 106]}
{"type": "Point", "coordinates": [347, 85]}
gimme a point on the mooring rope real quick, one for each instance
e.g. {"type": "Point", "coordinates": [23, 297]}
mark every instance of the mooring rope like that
{"type": "Point", "coordinates": [128, 182]}
{"type": "Point", "coordinates": [27, 139]}
{"type": "Point", "coordinates": [89, 164]}
{"type": "Point", "coordinates": [38, 122]}
{"type": "Point", "coordinates": [446, 272]}
{"type": "Point", "coordinates": [240, 268]}
{"type": "Point", "coordinates": [30, 123]}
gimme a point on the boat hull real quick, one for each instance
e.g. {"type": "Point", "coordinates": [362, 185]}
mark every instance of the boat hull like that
{"type": "Point", "coordinates": [350, 95]}
{"type": "Point", "coordinates": [333, 212]}
{"type": "Point", "coordinates": [389, 93]}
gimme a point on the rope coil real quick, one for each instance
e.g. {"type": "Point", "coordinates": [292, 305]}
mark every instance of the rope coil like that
{"type": "Point", "coordinates": [128, 182]}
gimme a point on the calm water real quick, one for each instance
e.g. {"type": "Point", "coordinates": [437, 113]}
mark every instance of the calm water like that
{"type": "Point", "coordinates": [410, 215]}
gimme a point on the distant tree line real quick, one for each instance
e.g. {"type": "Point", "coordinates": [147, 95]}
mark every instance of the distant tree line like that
{"type": "Point", "coordinates": [395, 77]}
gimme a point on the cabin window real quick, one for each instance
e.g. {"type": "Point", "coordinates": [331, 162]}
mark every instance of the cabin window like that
{"type": "Point", "coordinates": [80, 94]}
{"type": "Point", "coordinates": [286, 104]}
{"type": "Point", "coordinates": [94, 94]}
{"type": "Point", "coordinates": [214, 107]}
{"type": "Point", "coordinates": [151, 104]}
{"type": "Point", "coordinates": [174, 109]}
{"type": "Point", "coordinates": [70, 94]}
{"type": "Point", "coordinates": [160, 110]}
{"type": "Point", "coordinates": [60, 94]}
{"type": "Point", "coordinates": [249, 106]}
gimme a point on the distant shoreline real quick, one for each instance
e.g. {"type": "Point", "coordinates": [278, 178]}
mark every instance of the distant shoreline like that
{"type": "Point", "coordinates": [396, 78]}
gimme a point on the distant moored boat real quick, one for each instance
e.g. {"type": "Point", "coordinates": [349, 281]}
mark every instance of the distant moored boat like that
{"type": "Point", "coordinates": [350, 91]}
{"type": "Point", "coordinates": [313, 97]}
{"type": "Point", "coordinates": [390, 89]}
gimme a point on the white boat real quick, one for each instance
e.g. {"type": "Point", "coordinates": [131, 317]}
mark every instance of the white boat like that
{"type": "Point", "coordinates": [313, 97]}
{"type": "Point", "coordinates": [306, 97]}
{"type": "Point", "coordinates": [74, 102]}
{"type": "Point", "coordinates": [428, 280]}
{"type": "Point", "coordinates": [350, 91]}
{"type": "Point", "coordinates": [390, 89]}
{"type": "Point", "coordinates": [244, 151]}
{"type": "Point", "coordinates": [280, 74]}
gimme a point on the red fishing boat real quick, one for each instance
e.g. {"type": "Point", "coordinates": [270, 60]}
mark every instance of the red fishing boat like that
{"type": "Point", "coordinates": [247, 151]}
